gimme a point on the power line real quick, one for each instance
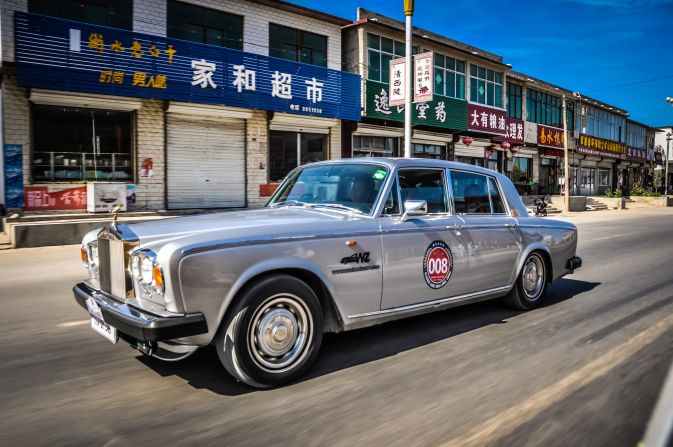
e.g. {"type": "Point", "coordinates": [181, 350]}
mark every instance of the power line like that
{"type": "Point", "coordinates": [631, 83]}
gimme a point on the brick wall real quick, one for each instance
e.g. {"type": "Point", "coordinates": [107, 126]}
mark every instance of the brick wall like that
{"type": "Point", "coordinates": [149, 16]}
{"type": "Point", "coordinates": [7, 26]}
{"type": "Point", "coordinates": [257, 146]}
{"type": "Point", "coordinates": [150, 143]}
{"type": "Point", "coordinates": [256, 26]}
{"type": "Point", "coordinates": [16, 120]}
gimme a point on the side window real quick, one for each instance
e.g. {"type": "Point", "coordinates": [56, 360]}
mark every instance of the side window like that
{"type": "Point", "coordinates": [424, 184]}
{"type": "Point", "coordinates": [470, 193]}
{"type": "Point", "coordinates": [496, 197]}
{"type": "Point", "coordinates": [392, 205]}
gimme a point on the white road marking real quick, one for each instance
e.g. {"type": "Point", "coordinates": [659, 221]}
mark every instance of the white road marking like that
{"type": "Point", "coordinates": [507, 421]}
{"type": "Point", "coordinates": [73, 323]}
{"type": "Point", "coordinates": [612, 236]}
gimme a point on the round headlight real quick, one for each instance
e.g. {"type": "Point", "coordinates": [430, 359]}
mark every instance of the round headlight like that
{"type": "Point", "coordinates": [146, 270]}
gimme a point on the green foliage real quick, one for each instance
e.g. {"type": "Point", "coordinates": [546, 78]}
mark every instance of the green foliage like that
{"type": "Point", "coordinates": [618, 192]}
{"type": "Point", "coordinates": [642, 192]}
{"type": "Point", "coordinates": [608, 193]}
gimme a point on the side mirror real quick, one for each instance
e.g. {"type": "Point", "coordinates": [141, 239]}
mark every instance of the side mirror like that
{"type": "Point", "coordinates": [414, 208]}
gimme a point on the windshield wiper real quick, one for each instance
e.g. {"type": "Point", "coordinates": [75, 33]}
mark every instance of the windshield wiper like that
{"type": "Point", "coordinates": [337, 206]}
{"type": "Point", "coordinates": [288, 203]}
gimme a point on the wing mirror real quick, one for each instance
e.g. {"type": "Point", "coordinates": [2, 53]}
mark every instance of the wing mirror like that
{"type": "Point", "coordinates": [414, 208]}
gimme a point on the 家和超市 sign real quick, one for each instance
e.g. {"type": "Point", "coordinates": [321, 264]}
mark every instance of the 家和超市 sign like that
{"type": "Point", "coordinates": [60, 54]}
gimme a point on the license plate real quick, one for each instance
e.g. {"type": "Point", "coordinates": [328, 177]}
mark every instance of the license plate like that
{"type": "Point", "coordinates": [98, 323]}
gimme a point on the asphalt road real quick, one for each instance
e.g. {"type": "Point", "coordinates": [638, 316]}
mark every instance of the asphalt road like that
{"type": "Point", "coordinates": [583, 370]}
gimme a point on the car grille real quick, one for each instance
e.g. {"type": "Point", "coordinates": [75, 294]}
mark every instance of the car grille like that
{"type": "Point", "coordinates": [111, 267]}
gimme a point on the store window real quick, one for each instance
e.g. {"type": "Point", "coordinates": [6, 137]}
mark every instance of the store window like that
{"type": "Point", "coordinates": [449, 76]}
{"type": "Point", "coordinates": [485, 86]}
{"type": "Point", "coordinates": [435, 151]}
{"type": "Point", "coordinates": [291, 149]}
{"type": "Point", "coordinates": [514, 100]}
{"type": "Point", "coordinates": [204, 25]}
{"type": "Point", "coordinates": [113, 13]}
{"type": "Point", "coordinates": [603, 177]}
{"type": "Point", "coordinates": [475, 161]}
{"type": "Point", "coordinates": [368, 146]}
{"type": "Point", "coordinates": [544, 109]}
{"type": "Point", "coordinates": [297, 45]}
{"type": "Point", "coordinates": [76, 145]}
{"type": "Point", "coordinates": [603, 124]}
{"type": "Point", "coordinates": [380, 51]}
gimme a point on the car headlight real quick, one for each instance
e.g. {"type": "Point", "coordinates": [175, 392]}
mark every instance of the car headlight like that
{"type": "Point", "coordinates": [89, 253]}
{"type": "Point", "coordinates": [146, 271]}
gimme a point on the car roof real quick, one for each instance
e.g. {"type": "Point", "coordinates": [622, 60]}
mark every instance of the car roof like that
{"type": "Point", "coordinates": [398, 162]}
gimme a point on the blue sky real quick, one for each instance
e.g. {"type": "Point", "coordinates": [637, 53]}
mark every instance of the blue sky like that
{"type": "Point", "coordinates": [603, 48]}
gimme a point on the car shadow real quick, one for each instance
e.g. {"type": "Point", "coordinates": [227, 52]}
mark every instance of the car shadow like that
{"type": "Point", "coordinates": [347, 349]}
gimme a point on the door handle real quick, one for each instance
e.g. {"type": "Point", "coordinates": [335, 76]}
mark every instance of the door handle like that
{"type": "Point", "coordinates": [455, 227]}
{"type": "Point", "coordinates": [511, 225]}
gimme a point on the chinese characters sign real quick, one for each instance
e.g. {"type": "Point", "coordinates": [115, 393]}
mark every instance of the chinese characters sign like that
{"type": "Point", "coordinates": [64, 55]}
{"type": "Point", "coordinates": [444, 112]}
{"type": "Point", "coordinates": [549, 136]}
{"type": "Point", "coordinates": [495, 121]}
{"type": "Point", "coordinates": [55, 198]}
{"type": "Point", "coordinates": [636, 154]}
{"type": "Point", "coordinates": [598, 146]}
{"type": "Point", "coordinates": [423, 77]}
{"type": "Point", "coordinates": [398, 86]}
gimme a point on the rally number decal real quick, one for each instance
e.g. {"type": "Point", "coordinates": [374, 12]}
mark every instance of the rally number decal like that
{"type": "Point", "coordinates": [437, 264]}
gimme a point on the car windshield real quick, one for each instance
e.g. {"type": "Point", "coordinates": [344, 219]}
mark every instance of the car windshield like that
{"type": "Point", "coordinates": [345, 187]}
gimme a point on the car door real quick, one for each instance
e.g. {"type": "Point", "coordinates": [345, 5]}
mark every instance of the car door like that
{"type": "Point", "coordinates": [423, 258]}
{"type": "Point", "coordinates": [491, 236]}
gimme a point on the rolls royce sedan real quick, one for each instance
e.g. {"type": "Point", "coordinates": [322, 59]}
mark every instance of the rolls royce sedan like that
{"type": "Point", "coordinates": [340, 245]}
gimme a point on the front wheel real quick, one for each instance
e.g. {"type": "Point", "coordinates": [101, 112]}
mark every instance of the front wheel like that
{"type": "Point", "coordinates": [531, 284]}
{"type": "Point", "coordinates": [273, 333]}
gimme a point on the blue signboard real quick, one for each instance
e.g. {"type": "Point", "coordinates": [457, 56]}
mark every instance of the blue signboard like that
{"type": "Point", "coordinates": [13, 157]}
{"type": "Point", "coordinates": [65, 55]}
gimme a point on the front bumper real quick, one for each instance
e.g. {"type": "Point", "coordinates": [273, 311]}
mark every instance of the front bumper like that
{"type": "Point", "coordinates": [574, 263]}
{"type": "Point", "coordinates": [141, 325]}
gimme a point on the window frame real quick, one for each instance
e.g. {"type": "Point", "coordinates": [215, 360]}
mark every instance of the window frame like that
{"type": "Point", "coordinates": [454, 72]}
{"type": "Point", "coordinates": [446, 189]}
{"type": "Point", "coordinates": [517, 95]}
{"type": "Point", "coordinates": [380, 52]}
{"type": "Point", "coordinates": [508, 211]}
{"type": "Point", "coordinates": [31, 6]}
{"type": "Point", "coordinates": [204, 24]}
{"type": "Point", "coordinates": [299, 44]}
{"type": "Point", "coordinates": [477, 77]}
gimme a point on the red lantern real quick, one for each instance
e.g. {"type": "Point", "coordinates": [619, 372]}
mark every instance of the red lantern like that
{"type": "Point", "coordinates": [514, 149]}
{"type": "Point", "coordinates": [487, 152]}
{"type": "Point", "coordinates": [467, 140]}
{"type": "Point", "coordinates": [505, 145]}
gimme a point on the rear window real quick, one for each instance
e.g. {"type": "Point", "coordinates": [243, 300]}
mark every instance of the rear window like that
{"type": "Point", "coordinates": [476, 194]}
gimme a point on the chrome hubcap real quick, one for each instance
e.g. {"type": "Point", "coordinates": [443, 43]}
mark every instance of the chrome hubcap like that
{"type": "Point", "coordinates": [533, 277]}
{"type": "Point", "coordinates": [280, 332]}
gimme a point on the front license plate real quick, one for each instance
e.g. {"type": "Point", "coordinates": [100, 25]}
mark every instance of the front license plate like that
{"type": "Point", "coordinates": [98, 324]}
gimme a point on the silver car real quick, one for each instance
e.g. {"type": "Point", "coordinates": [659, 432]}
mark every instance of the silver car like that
{"type": "Point", "coordinates": [340, 245]}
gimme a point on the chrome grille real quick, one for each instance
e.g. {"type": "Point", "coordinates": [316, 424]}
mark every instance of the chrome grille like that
{"type": "Point", "coordinates": [111, 268]}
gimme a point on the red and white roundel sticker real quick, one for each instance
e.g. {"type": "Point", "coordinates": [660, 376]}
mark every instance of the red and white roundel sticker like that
{"type": "Point", "coordinates": [437, 264]}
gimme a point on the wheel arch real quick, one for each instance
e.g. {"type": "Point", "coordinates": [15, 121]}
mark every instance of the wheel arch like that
{"type": "Point", "coordinates": [300, 269]}
{"type": "Point", "coordinates": [546, 255]}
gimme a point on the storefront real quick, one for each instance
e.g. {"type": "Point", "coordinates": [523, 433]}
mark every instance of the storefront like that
{"type": "Point", "coordinates": [381, 133]}
{"type": "Point", "coordinates": [183, 124]}
{"type": "Point", "coordinates": [595, 166]}
{"type": "Point", "coordinates": [550, 151]}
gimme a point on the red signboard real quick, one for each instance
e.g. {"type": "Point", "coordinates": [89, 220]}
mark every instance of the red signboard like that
{"type": "Point", "coordinates": [549, 136]}
{"type": "Point", "coordinates": [487, 119]}
{"type": "Point", "coordinates": [44, 198]}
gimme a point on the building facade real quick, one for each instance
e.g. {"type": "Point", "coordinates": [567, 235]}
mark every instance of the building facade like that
{"type": "Point", "coordinates": [191, 104]}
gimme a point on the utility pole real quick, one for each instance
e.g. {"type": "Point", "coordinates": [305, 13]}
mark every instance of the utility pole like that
{"type": "Point", "coordinates": [408, 12]}
{"type": "Point", "coordinates": [566, 170]}
{"type": "Point", "coordinates": [668, 148]}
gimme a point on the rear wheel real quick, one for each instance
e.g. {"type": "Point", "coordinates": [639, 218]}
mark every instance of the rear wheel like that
{"type": "Point", "coordinates": [531, 284]}
{"type": "Point", "coordinates": [273, 333]}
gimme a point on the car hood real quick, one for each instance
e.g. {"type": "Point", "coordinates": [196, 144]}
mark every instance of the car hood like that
{"type": "Point", "coordinates": [246, 225]}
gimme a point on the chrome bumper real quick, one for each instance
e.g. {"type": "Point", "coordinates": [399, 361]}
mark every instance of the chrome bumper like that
{"type": "Point", "coordinates": [141, 325]}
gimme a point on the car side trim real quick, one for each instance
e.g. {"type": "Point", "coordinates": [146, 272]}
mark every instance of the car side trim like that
{"type": "Point", "coordinates": [417, 306]}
